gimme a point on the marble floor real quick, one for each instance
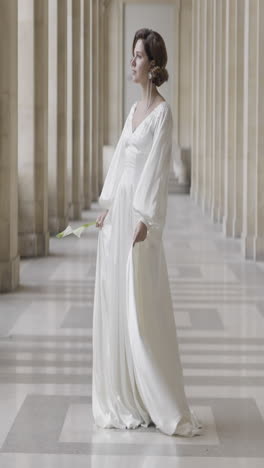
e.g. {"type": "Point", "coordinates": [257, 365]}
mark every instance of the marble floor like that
{"type": "Point", "coordinates": [46, 355]}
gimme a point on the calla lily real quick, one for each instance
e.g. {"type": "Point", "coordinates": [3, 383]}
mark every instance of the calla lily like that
{"type": "Point", "coordinates": [77, 232]}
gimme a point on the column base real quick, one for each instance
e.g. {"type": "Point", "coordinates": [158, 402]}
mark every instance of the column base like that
{"type": "Point", "coordinates": [259, 249]}
{"type": "Point", "coordinates": [63, 223]}
{"type": "Point", "coordinates": [248, 246]}
{"type": "Point", "coordinates": [34, 245]}
{"type": "Point", "coordinates": [215, 213]}
{"type": "Point", "coordinates": [228, 227]}
{"type": "Point", "coordinates": [70, 211]}
{"type": "Point", "coordinates": [199, 199]}
{"type": "Point", "coordinates": [76, 210]}
{"type": "Point", "coordinates": [237, 228]}
{"type": "Point", "coordinates": [192, 193]}
{"type": "Point", "coordinates": [9, 274]}
{"type": "Point", "coordinates": [253, 248]}
{"type": "Point", "coordinates": [87, 203]}
{"type": "Point", "coordinates": [206, 207]}
{"type": "Point", "coordinates": [57, 224]}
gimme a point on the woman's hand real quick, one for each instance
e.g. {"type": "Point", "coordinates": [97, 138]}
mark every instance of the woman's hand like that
{"type": "Point", "coordinates": [140, 233]}
{"type": "Point", "coordinates": [100, 220]}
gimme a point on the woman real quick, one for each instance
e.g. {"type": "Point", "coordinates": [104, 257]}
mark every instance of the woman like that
{"type": "Point", "coordinates": [137, 374]}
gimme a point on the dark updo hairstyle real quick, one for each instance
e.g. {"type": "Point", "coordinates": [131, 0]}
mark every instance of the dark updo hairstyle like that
{"type": "Point", "coordinates": [155, 49]}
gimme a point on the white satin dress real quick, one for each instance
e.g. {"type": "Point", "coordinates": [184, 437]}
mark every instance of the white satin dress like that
{"type": "Point", "coordinates": [137, 373]}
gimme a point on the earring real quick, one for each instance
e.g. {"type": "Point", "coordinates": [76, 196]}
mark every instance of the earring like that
{"type": "Point", "coordinates": [149, 90]}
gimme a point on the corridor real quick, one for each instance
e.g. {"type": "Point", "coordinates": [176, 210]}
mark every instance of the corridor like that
{"type": "Point", "coordinates": [46, 355]}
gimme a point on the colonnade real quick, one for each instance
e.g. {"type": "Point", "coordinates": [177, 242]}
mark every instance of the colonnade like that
{"type": "Point", "coordinates": [55, 83]}
{"type": "Point", "coordinates": [51, 100]}
{"type": "Point", "coordinates": [228, 117]}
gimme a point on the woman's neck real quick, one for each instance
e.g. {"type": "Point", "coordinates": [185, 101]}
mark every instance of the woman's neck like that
{"type": "Point", "coordinates": [144, 95]}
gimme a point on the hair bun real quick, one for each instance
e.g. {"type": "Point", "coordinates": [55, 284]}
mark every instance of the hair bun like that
{"type": "Point", "coordinates": [159, 75]}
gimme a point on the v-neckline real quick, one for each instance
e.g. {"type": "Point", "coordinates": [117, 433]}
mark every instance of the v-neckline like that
{"type": "Point", "coordinates": [133, 131]}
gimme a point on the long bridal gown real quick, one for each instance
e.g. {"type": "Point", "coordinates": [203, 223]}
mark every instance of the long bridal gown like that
{"type": "Point", "coordinates": [137, 373]}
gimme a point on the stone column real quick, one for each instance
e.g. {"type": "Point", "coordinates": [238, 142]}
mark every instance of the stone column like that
{"type": "Point", "coordinates": [9, 258]}
{"type": "Point", "coordinates": [53, 169]}
{"type": "Point", "coordinates": [62, 116]}
{"type": "Point", "coordinates": [202, 107]}
{"type": "Point", "coordinates": [176, 100]}
{"type": "Point", "coordinates": [26, 121]}
{"type": "Point", "coordinates": [208, 108]}
{"type": "Point", "coordinates": [94, 95]}
{"type": "Point", "coordinates": [41, 124]}
{"type": "Point", "coordinates": [250, 129]}
{"type": "Point", "coordinates": [102, 70]}
{"type": "Point", "coordinates": [183, 97]}
{"type": "Point", "coordinates": [32, 127]}
{"type": "Point", "coordinates": [253, 222]}
{"type": "Point", "coordinates": [82, 101]}
{"type": "Point", "coordinates": [201, 78]}
{"type": "Point", "coordinates": [217, 109]}
{"type": "Point", "coordinates": [230, 119]}
{"type": "Point", "coordinates": [57, 116]}
{"type": "Point", "coordinates": [195, 100]}
{"type": "Point", "coordinates": [87, 166]}
{"type": "Point", "coordinates": [69, 108]}
{"type": "Point", "coordinates": [259, 240]}
{"type": "Point", "coordinates": [239, 182]}
{"type": "Point", "coordinates": [76, 107]}
{"type": "Point", "coordinates": [224, 51]}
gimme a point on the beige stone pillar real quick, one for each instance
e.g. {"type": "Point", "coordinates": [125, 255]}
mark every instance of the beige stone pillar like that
{"type": "Point", "coordinates": [202, 106]}
{"type": "Point", "coordinates": [216, 114]}
{"type": "Point", "coordinates": [253, 222]}
{"type": "Point", "coordinates": [94, 94]}
{"type": "Point", "coordinates": [87, 166]}
{"type": "Point", "coordinates": [183, 63]}
{"type": "Point", "coordinates": [32, 127]}
{"type": "Point", "coordinates": [102, 94]}
{"type": "Point", "coordinates": [41, 124]}
{"type": "Point", "coordinates": [69, 108]}
{"type": "Point", "coordinates": [233, 117]}
{"type": "Point", "coordinates": [178, 18]}
{"type": "Point", "coordinates": [201, 78]}
{"type": "Point", "coordinates": [250, 130]}
{"type": "Point", "coordinates": [195, 101]}
{"type": "Point", "coordinates": [223, 128]}
{"type": "Point", "coordinates": [82, 101]}
{"type": "Point", "coordinates": [53, 169]}
{"type": "Point", "coordinates": [26, 122]}
{"type": "Point", "coordinates": [9, 258]}
{"type": "Point", "coordinates": [259, 240]}
{"type": "Point", "coordinates": [230, 120]}
{"type": "Point", "coordinates": [208, 108]}
{"type": "Point", "coordinates": [239, 182]}
{"type": "Point", "coordinates": [57, 116]}
{"type": "Point", "coordinates": [62, 130]}
{"type": "Point", "coordinates": [76, 111]}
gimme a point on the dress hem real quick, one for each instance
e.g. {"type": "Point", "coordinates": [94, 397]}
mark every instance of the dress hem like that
{"type": "Point", "coordinates": [189, 428]}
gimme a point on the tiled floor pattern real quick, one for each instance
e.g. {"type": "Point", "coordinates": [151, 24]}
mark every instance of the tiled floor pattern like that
{"type": "Point", "coordinates": [46, 356]}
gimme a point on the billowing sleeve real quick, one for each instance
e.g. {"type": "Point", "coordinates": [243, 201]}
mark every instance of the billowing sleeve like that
{"type": "Point", "coordinates": [151, 196]}
{"type": "Point", "coordinates": [114, 172]}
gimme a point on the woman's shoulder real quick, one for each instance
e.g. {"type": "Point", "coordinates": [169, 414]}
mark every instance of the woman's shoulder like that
{"type": "Point", "coordinates": [163, 111]}
{"type": "Point", "coordinates": [164, 106]}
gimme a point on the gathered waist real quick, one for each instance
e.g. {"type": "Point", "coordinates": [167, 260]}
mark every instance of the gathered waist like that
{"type": "Point", "coordinates": [133, 158]}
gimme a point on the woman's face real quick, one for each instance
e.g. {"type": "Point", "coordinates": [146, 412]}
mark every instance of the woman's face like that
{"type": "Point", "coordinates": [140, 64]}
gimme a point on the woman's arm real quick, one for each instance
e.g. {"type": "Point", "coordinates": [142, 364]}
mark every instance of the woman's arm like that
{"type": "Point", "coordinates": [150, 200]}
{"type": "Point", "coordinates": [115, 170]}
